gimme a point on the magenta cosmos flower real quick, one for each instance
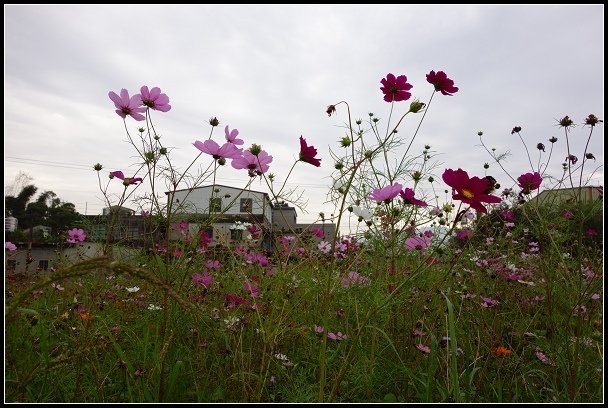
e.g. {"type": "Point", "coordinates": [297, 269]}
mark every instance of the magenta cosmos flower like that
{"type": "Point", "coordinates": [395, 89]}
{"type": "Point", "coordinates": [256, 165]}
{"type": "Point", "coordinates": [220, 153]}
{"type": "Point", "coordinates": [76, 235]}
{"type": "Point", "coordinates": [125, 180]}
{"type": "Point", "coordinates": [232, 136]}
{"type": "Point", "coordinates": [10, 246]}
{"type": "Point", "coordinates": [127, 106]}
{"type": "Point", "coordinates": [408, 197]}
{"type": "Point", "coordinates": [469, 190]}
{"type": "Point", "coordinates": [308, 153]}
{"type": "Point", "coordinates": [441, 82]}
{"type": "Point", "coordinates": [529, 181]}
{"type": "Point", "coordinates": [385, 194]}
{"type": "Point", "coordinates": [154, 99]}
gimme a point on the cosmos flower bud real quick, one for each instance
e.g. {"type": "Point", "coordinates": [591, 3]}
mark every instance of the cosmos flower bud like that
{"type": "Point", "coordinates": [214, 121]}
{"type": "Point", "coordinates": [97, 167]}
{"type": "Point", "coordinates": [416, 106]}
{"type": "Point", "coordinates": [566, 122]}
{"type": "Point", "coordinates": [592, 120]}
{"type": "Point", "coordinates": [255, 149]}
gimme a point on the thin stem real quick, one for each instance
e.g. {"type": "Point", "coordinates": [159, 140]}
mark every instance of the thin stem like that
{"type": "Point", "coordinates": [527, 151]}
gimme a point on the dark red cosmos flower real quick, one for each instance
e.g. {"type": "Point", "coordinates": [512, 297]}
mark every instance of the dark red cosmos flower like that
{"type": "Point", "coordinates": [408, 197]}
{"type": "Point", "coordinates": [529, 181]}
{"type": "Point", "coordinates": [441, 82]}
{"type": "Point", "coordinates": [395, 89]}
{"type": "Point", "coordinates": [308, 153]}
{"type": "Point", "coordinates": [469, 190]}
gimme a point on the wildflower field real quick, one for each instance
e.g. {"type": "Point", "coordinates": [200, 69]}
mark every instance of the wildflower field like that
{"type": "Point", "coordinates": [474, 292]}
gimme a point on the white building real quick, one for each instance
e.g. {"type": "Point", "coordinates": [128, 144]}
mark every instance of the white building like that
{"type": "Point", "coordinates": [10, 223]}
{"type": "Point", "coordinates": [216, 208]}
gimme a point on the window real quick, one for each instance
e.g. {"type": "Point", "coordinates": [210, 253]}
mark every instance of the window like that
{"type": "Point", "coordinates": [246, 205]}
{"type": "Point", "coordinates": [215, 204]}
{"type": "Point", "coordinates": [43, 265]}
{"type": "Point", "coordinates": [236, 234]}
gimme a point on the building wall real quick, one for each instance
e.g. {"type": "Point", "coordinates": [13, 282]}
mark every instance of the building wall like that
{"type": "Point", "coordinates": [45, 257]}
{"type": "Point", "coordinates": [556, 196]}
{"type": "Point", "coordinates": [196, 201]}
{"type": "Point", "coordinates": [284, 218]}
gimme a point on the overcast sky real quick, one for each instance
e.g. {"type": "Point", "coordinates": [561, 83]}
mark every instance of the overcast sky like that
{"type": "Point", "coordinates": [271, 71]}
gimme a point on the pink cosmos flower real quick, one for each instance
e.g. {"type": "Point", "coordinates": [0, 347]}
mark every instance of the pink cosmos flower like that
{"type": "Point", "coordinates": [226, 151]}
{"type": "Point", "coordinates": [204, 239]}
{"type": "Point", "coordinates": [469, 216]}
{"type": "Point", "coordinates": [408, 198]}
{"type": "Point", "coordinates": [256, 165]}
{"type": "Point", "coordinates": [319, 329]}
{"type": "Point", "coordinates": [423, 348]}
{"type": "Point", "coordinates": [395, 89]}
{"type": "Point", "coordinates": [202, 279]}
{"type": "Point", "coordinates": [417, 243]}
{"type": "Point", "coordinates": [213, 264]}
{"type": "Point", "coordinates": [324, 247]}
{"type": "Point", "coordinates": [308, 153]}
{"type": "Point", "coordinates": [252, 289]}
{"type": "Point", "coordinates": [567, 214]}
{"type": "Point", "coordinates": [487, 302]}
{"type": "Point", "coordinates": [125, 180]}
{"type": "Point", "coordinates": [127, 106]}
{"type": "Point", "coordinates": [76, 235]}
{"type": "Point", "coordinates": [385, 194]}
{"type": "Point", "coordinates": [441, 82]}
{"type": "Point", "coordinates": [232, 136]}
{"type": "Point", "coordinates": [470, 191]}
{"type": "Point", "coordinates": [543, 358]}
{"type": "Point", "coordinates": [154, 99]}
{"type": "Point", "coordinates": [529, 182]}
{"type": "Point", "coordinates": [10, 246]}
{"type": "Point", "coordinates": [353, 278]}
{"type": "Point", "coordinates": [336, 336]}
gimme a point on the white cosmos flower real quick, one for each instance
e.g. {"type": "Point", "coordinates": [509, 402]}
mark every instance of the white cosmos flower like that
{"type": "Point", "coordinates": [362, 213]}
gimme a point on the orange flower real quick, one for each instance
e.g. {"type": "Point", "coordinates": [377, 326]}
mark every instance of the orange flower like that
{"type": "Point", "coordinates": [501, 351]}
{"type": "Point", "coordinates": [86, 316]}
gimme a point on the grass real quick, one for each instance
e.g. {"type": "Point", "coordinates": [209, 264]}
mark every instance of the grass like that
{"type": "Point", "coordinates": [215, 351]}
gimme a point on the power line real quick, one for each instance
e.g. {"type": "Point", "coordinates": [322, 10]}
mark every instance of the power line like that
{"type": "Point", "coordinates": [77, 166]}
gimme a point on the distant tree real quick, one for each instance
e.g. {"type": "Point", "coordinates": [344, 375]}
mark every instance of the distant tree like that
{"type": "Point", "coordinates": [47, 210]}
{"type": "Point", "coordinates": [16, 205]}
{"type": "Point", "coordinates": [21, 180]}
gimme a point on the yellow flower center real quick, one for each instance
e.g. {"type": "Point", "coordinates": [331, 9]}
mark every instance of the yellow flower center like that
{"type": "Point", "coordinates": [467, 194]}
